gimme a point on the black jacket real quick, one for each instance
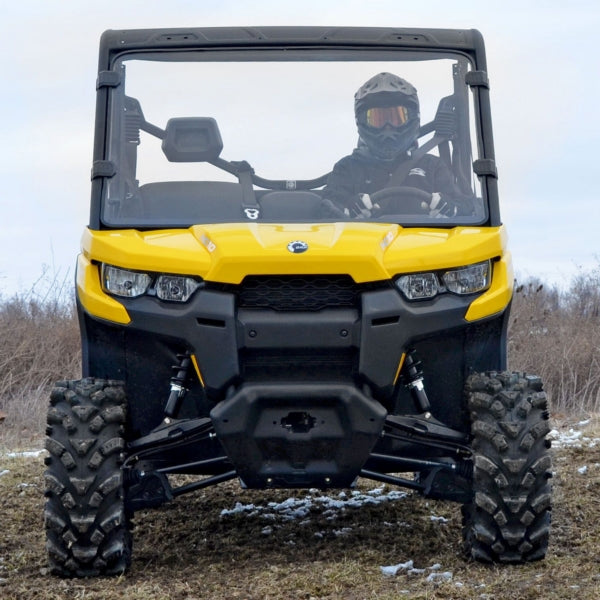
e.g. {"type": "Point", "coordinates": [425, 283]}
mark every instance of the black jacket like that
{"type": "Point", "coordinates": [359, 174]}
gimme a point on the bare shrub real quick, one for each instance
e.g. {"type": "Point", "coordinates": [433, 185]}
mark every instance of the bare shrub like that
{"type": "Point", "coordinates": [556, 334]}
{"type": "Point", "coordinates": [39, 343]}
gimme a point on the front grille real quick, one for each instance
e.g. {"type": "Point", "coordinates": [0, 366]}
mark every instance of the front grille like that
{"type": "Point", "coordinates": [306, 292]}
{"type": "Point", "coordinates": [298, 364]}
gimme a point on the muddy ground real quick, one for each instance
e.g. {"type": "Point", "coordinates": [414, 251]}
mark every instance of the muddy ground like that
{"type": "Point", "coordinates": [226, 543]}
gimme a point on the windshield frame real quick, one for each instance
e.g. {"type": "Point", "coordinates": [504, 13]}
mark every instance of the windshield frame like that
{"type": "Point", "coordinates": [158, 48]}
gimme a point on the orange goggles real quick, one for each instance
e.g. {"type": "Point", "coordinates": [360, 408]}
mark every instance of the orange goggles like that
{"type": "Point", "coordinates": [380, 116]}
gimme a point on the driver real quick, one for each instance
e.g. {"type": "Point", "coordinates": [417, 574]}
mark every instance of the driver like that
{"type": "Point", "coordinates": [387, 115]}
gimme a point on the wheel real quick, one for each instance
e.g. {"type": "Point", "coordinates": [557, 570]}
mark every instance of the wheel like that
{"type": "Point", "coordinates": [87, 526]}
{"type": "Point", "coordinates": [401, 199]}
{"type": "Point", "coordinates": [508, 519]}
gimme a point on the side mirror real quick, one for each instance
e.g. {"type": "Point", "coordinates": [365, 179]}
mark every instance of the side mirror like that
{"type": "Point", "coordinates": [192, 139]}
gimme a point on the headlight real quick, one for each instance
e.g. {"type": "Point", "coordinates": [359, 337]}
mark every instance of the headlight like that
{"type": "Point", "coordinates": [465, 280]}
{"type": "Point", "coordinates": [130, 284]}
{"type": "Point", "coordinates": [418, 286]}
{"type": "Point", "coordinates": [468, 280]}
{"type": "Point", "coordinates": [121, 282]}
{"type": "Point", "coordinates": [175, 287]}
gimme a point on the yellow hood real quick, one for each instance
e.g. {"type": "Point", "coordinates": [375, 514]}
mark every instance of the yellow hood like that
{"type": "Point", "coordinates": [227, 253]}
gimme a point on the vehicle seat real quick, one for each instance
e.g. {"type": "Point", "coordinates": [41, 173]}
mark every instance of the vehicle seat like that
{"type": "Point", "coordinates": [192, 201]}
{"type": "Point", "coordinates": [290, 206]}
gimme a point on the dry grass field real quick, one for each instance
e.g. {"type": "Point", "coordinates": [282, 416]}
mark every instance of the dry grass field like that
{"type": "Point", "coordinates": [227, 543]}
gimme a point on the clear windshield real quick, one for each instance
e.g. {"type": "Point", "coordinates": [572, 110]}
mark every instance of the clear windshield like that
{"type": "Point", "coordinates": [278, 140]}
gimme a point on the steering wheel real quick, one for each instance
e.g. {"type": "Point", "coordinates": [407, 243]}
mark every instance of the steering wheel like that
{"type": "Point", "coordinates": [401, 199]}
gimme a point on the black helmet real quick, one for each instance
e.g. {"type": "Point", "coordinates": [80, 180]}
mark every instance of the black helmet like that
{"type": "Point", "coordinates": [387, 115]}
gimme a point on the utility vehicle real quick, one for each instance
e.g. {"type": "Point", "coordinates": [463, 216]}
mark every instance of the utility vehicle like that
{"type": "Point", "coordinates": [232, 328]}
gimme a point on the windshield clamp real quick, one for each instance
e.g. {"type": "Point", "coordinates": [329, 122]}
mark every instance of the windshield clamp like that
{"type": "Point", "coordinates": [477, 79]}
{"type": "Point", "coordinates": [108, 79]}
{"type": "Point", "coordinates": [485, 167]}
{"type": "Point", "coordinates": [103, 168]}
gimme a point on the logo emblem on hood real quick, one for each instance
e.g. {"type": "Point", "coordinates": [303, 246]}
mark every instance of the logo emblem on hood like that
{"type": "Point", "coordinates": [297, 247]}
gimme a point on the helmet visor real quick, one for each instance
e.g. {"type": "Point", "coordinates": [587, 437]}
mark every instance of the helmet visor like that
{"type": "Point", "coordinates": [380, 116]}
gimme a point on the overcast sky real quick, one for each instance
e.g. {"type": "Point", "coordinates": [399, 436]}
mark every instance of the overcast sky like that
{"type": "Point", "coordinates": [544, 69]}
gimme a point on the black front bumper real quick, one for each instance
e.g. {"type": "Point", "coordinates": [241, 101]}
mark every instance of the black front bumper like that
{"type": "Point", "coordinates": [298, 435]}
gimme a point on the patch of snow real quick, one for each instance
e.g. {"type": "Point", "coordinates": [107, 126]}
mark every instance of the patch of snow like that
{"type": "Point", "coordinates": [408, 567]}
{"type": "Point", "coordinates": [237, 509]}
{"type": "Point", "coordinates": [565, 438]}
{"type": "Point", "coordinates": [439, 577]}
{"type": "Point", "coordinates": [330, 507]}
{"type": "Point", "coordinates": [571, 439]}
{"type": "Point", "coordinates": [392, 570]}
{"type": "Point", "coordinates": [26, 454]}
{"type": "Point", "coordinates": [438, 519]}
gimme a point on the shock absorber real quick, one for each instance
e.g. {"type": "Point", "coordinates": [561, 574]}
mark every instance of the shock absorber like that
{"type": "Point", "coordinates": [178, 389]}
{"type": "Point", "coordinates": [413, 379]}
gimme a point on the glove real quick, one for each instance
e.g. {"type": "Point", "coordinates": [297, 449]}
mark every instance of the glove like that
{"type": "Point", "coordinates": [364, 208]}
{"type": "Point", "coordinates": [438, 207]}
{"type": "Point", "coordinates": [330, 210]}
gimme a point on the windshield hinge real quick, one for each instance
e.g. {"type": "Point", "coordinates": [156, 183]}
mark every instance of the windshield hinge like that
{"type": "Point", "coordinates": [103, 168]}
{"type": "Point", "coordinates": [485, 167]}
{"type": "Point", "coordinates": [108, 79]}
{"type": "Point", "coordinates": [477, 79]}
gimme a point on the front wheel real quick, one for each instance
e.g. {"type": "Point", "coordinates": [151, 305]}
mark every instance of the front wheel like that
{"type": "Point", "coordinates": [508, 519]}
{"type": "Point", "coordinates": [87, 526]}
